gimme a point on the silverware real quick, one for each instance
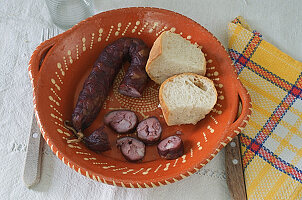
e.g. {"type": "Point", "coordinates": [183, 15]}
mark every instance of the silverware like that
{"type": "Point", "coordinates": [33, 160]}
{"type": "Point", "coordinates": [234, 168]}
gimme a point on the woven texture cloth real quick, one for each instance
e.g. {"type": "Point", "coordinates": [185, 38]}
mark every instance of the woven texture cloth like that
{"type": "Point", "coordinates": [272, 141]}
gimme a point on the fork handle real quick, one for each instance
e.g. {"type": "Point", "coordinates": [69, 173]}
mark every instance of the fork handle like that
{"type": "Point", "coordinates": [33, 160]}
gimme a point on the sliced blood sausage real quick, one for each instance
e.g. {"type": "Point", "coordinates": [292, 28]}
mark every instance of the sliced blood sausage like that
{"type": "Point", "coordinates": [149, 130]}
{"type": "Point", "coordinates": [100, 80]}
{"type": "Point", "coordinates": [171, 148]}
{"type": "Point", "coordinates": [121, 121]}
{"type": "Point", "coordinates": [131, 148]}
{"type": "Point", "coordinates": [97, 141]}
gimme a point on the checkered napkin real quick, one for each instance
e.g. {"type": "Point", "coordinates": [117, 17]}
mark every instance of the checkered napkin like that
{"type": "Point", "coordinates": [272, 141]}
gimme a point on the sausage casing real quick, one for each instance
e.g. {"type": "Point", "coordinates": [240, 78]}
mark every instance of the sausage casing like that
{"type": "Point", "coordinates": [121, 121]}
{"type": "Point", "coordinates": [132, 149]}
{"type": "Point", "coordinates": [171, 148]}
{"type": "Point", "coordinates": [149, 130]}
{"type": "Point", "coordinates": [105, 69]}
{"type": "Point", "coordinates": [98, 140]}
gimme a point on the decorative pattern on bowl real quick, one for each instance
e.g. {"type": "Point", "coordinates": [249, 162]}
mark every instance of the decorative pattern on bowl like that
{"type": "Point", "coordinates": [58, 81]}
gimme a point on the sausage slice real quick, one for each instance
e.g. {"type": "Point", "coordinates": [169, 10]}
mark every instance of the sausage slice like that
{"type": "Point", "coordinates": [132, 149]}
{"type": "Point", "coordinates": [97, 141]}
{"type": "Point", "coordinates": [121, 121]}
{"type": "Point", "coordinates": [149, 130]}
{"type": "Point", "coordinates": [171, 148]}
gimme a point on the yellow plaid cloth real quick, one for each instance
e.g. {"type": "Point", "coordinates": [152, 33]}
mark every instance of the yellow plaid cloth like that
{"type": "Point", "coordinates": [272, 141]}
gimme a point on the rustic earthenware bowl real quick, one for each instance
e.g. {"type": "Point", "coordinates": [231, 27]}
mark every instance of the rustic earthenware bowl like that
{"type": "Point", "coordinates": [59, 66]}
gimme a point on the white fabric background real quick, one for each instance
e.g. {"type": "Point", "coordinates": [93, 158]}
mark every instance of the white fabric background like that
{"type": "Point", "coordinates": [21, 23]}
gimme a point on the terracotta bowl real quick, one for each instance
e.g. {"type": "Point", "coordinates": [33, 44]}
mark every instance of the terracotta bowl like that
{"type": "Point", "coordinates": [59, 66]}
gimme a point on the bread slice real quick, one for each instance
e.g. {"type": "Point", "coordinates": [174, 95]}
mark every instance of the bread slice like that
{"type": "Point", "coordinates": [186, 98]}
{"type": "Point", "coordinates": [171, 54]}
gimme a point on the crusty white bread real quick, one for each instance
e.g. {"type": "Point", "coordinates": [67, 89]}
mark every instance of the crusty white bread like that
{"type": "Point", "coordinates": [186, 98]}
{"type": "Point", "coordinates": [171, 54]}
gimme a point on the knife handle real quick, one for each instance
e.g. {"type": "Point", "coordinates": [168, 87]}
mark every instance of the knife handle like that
{"type": "Point", "coordinates": [32, 167]}
{"type": "Point", "coordinates": [234, 170]}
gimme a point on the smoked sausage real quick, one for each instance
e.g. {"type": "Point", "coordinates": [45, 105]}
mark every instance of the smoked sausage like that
{"type": "Point", "coordinates": [105, 69]}
{"type": "Point", "coordinates": [171, 148]}
{"type": "Point", "coordinates": [132, 149]}
{"type": "Point", "coordinates": [149, 130]}
{"type": "Point", "coordinates": [121, 121]}
{"type": "Point", "coordinates": [97, 141]}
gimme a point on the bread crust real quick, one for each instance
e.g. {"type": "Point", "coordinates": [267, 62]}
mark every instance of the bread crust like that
{"type": "Point", "coordinates": [155, 52]}
{"type": "Point", "coordinates": [204, 65]}
{"type": "Point", "coordinates": [164, 106]}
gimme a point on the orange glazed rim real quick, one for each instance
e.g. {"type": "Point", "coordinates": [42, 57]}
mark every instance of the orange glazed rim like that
{"type": "Point", "coordinates": [230, 131]}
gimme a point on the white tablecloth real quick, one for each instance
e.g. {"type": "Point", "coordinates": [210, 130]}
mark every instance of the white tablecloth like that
{"type": "Point", "coordinates": [21, 23]}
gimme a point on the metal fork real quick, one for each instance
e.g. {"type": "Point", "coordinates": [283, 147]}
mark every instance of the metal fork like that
{"type": "Point", "coordinates": [33, 160]}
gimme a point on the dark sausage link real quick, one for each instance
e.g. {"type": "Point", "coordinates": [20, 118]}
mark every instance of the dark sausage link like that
{"type": "Point", "coordinates": [98, 141]}
{"type": "Point", "coordinates": [100, 80]}
{"type": "Point", "coordinates": [136, 77]}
